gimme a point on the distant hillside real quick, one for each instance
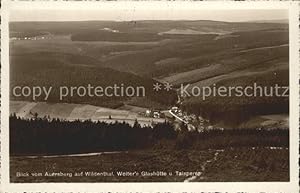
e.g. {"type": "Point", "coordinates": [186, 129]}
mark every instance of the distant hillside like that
{"type": "Point", "coordinates": [283, 21]}
{"type": "Point", "coordinates": [146, 26]}
{"type": "Point", "coordinates": [138, 52]}
{"type": "Point", "coordinates": [53, 69]}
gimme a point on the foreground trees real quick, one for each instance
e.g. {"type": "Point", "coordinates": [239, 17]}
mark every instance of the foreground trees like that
{"type": "Point", "coordinates": [45, 136]}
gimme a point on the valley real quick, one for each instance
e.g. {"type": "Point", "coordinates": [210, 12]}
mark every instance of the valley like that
{"type": "Point", "coordinates": [136, 53]}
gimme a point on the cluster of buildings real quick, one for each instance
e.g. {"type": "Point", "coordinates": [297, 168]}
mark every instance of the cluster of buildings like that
{"type": "Point", "coordinates": [185, 117]}
{"type": "Point", "coordinates": [193, 122]}
{"type": "Point", "coordinates": [180, 115]}
{"type": "Point", "coordinates": [153, 113]}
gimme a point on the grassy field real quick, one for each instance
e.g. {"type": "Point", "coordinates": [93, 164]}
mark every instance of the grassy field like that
{"type": "Point", "coordinates": [251, 63]}
{"type": "Point", "coordinates": [268, 121]}
{"type": "Point", "coordinates": [227, 165]}
{"type": "Point", "coordinates": [71, 111]}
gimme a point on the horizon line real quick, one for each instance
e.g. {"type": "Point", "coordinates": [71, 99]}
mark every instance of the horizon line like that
{"type": "Point", "coordinates": [97, 20]}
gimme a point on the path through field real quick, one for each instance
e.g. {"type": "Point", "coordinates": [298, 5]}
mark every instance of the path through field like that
{"type": "Point", "coordinates": [203, 167]}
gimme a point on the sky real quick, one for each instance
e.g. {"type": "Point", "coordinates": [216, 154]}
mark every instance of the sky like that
{"type": "Point", "coordinates": [130, 14]}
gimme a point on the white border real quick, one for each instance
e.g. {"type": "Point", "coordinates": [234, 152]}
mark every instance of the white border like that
{"type": "Point", "coordinates": [291, 187]}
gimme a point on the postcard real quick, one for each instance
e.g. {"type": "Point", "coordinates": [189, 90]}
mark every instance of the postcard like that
{"type": "Point", "coordinates": [132, 96]}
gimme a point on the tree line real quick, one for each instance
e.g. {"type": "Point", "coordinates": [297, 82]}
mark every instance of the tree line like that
{"type": "Point", "coordinates": [43, 136]}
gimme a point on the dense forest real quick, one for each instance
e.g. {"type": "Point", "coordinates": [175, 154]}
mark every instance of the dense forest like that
{"type": "Point", "coordinates": [45, 137]}
{"type": "Point", "coordinates": [33, 73]}
{"type": "Point", "coordinates": [233, 110]}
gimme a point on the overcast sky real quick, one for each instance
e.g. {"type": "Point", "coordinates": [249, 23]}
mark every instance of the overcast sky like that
{"type": "Point", "coordinates": [141, 14]}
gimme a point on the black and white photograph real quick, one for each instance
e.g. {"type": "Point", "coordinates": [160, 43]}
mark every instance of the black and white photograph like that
{"type": "Point", "coordinates": [137, 95]}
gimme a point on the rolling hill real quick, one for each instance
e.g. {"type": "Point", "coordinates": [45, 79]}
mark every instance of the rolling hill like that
{"type": "Point", "coordinates": [200, 53]}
